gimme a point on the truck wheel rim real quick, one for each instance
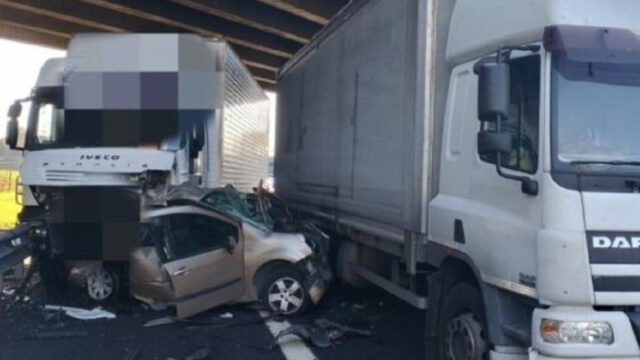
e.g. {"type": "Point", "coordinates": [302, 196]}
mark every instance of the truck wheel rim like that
{"type": "Point", "coordinates": [100, 285]}
{"type": "Point", "coordinates": [286, 295]}
{"type": "Point", "coordinates": [460, 342]}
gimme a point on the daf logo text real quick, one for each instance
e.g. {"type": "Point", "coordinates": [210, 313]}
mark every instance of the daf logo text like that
{"type": "Point", "coordinates": [615, 242]}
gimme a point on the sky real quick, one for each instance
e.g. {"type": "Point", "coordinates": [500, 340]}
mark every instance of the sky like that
{"type": "Point", "coordinates": [19, 67]}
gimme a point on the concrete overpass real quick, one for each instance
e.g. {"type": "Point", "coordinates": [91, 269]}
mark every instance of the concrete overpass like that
{"type": "Point", "coordinates": [264, 33]}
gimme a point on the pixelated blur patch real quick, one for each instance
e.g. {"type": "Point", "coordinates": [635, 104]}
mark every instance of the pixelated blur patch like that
{"type": "Point", "coordinates": [121, 90]}
{"type": "Point", "coordinates": [122, 128]}
{"type": "Point", "coordinates": [193, 55]}
{"type": "Point", "coordinates": [82, 241]}
{"type": "Point", "coordinates": [95, 223]}
{"type": "Point", "coordinates": [83, 90]}
{"type": "Point", "coordinates": [159, 90]}
{"type": "Point", "coordinates": [197, 90]}
{"type": "Point", "coordinates": [118, 239]}
{"type": "Point", "coordinates": [83, 127]}
{"type": "Point", "coordinates": [158, 125]}
{"type": "Point", "coordinates": [158, 52]}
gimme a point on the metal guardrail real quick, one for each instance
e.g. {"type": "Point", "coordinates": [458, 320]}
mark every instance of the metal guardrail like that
{"type": "Point", "coordinates": [14, 247]}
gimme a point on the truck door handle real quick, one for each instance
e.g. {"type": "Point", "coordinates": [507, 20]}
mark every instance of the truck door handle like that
{"type": "Point", "coordinates": [181, 271]}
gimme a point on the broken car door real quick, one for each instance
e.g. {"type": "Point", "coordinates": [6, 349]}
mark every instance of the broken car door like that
{"type": "Point", "coordinates": [205, 259]}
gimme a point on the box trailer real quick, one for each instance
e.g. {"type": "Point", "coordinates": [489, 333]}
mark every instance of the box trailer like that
{"type": "Point", "coordinates": [475, 158]}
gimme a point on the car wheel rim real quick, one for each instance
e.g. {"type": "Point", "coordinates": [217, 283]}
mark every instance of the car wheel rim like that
{"type": "Point", "coordinates": [100, 284]}
{"type": "Point", "coordinates": [286, 295]}
{"type": "Point", "coordinates": [461, 340]}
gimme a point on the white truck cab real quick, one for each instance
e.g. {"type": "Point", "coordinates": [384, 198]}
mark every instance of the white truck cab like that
{"type": "Point", "coordinates": [481, 158]}
{"type": "Point", "coordinates": [564, 233]}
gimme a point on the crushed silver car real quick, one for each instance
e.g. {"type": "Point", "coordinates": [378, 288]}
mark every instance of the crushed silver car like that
{"type": "Point", "coordinates": [207, 247]}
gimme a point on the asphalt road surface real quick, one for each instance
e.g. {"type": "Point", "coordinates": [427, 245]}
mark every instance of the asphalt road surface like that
{"type": "Point", "coordinates": [397, 332]}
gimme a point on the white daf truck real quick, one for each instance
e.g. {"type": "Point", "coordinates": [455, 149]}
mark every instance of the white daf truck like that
{"type": "Point", "coordinates": [480, 160]}
{"type": "Point", "coordinates": [123, 116]}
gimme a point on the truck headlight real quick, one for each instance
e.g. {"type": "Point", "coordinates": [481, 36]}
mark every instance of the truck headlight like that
{"type": "Point", "coordinates": [576, 332]}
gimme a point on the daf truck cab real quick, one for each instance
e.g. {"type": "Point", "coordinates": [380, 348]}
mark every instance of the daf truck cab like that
{"type": "Point", "coordinates": [480, 160]}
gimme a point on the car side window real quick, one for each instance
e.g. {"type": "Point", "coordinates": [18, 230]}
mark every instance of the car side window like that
{"type": "Point", "coordinates": [193, 234]}
{"type": "Point", "coordinates": [524, 116]}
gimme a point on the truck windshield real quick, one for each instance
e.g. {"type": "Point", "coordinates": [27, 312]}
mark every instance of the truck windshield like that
{"type": "Point", "coordinates": [596, 116]}
{"type": "Point", "coordinates": [50, 125]}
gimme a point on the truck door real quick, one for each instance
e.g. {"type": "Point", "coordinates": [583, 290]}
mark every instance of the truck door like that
{"type": "Point", "coordinates": [506, 221]}
{"type": "Point", "coordinates": [205, 259]}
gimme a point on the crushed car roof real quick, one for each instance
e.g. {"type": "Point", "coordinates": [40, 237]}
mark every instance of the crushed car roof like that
{"type": "Point", "coordinates": [226, 200]}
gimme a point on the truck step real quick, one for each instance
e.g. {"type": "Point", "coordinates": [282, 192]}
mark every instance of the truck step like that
{"type": "Point", "coordinates": [518, 331]}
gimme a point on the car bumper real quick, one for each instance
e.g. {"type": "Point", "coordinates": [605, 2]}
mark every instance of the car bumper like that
{"type": "Point", "coordinates": [318, 278]}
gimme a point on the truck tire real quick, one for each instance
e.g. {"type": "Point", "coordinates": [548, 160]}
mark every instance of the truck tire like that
{"type": "Point", "coordinates": [347, 253]}
{"type": "Point", "coordinates": [462, 333]}
{"type": "Point", "coordinates": [283, 290]}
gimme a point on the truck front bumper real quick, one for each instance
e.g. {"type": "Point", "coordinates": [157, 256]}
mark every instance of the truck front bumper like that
{"type": "Point", "coordinates": [624, 345]}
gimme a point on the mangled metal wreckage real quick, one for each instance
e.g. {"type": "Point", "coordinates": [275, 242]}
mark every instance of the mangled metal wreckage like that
{"type": "Point", "coordinates": [200, 248]}
{"type": "Point", "coordinates": [102, 134]}
{"type": "Point", "coordinates": [205, 247]}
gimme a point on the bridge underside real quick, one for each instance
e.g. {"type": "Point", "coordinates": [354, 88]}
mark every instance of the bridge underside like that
{"type": "Point", "coordinates": [264, 33]}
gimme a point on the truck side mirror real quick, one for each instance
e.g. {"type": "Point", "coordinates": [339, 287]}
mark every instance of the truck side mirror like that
{"type": "Point", "coordinates": [494, 90]}
{"type": "Point", "coordinates": [491, 142]}
{"type": "Point", "coordinates": [15, 110]}
{"type": "Point", "coordinates": [12, 126]}
{"type": "Point", "coordinates": [12, 133]}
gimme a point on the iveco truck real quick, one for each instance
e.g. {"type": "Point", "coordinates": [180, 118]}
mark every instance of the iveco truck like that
{"type": "Point", "coordinates": [116, 121]}
{"type": "Point", "coordinates": [481, 160]}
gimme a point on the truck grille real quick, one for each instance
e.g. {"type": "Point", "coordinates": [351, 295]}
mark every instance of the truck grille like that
{"type": "Point", "coordinates": [64, 176]}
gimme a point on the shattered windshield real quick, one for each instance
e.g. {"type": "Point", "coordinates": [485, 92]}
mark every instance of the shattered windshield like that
{"type": "Point", "coordinates": [230, 201]}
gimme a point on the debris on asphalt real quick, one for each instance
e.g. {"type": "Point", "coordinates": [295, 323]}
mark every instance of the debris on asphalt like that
{"type": "Point", "coordinates": [155, 306]}
{"type": "Point", "coordinates": [322, 333]}
{"type": "Point", "coordinates": [57, 335]}
{"type": "Point", "coordinates": [226, 315]}
{"type": "Point", "coordinates": [130, 354]}
{"type": "Point", "coordinates": [160, 321]}
{"type": "Point", "coordinates": [316, 336]}
{"type": "Point", "coordinates": [199, 354]}
{"type": "Point", "coordinates": [82, 314]}
{"type": "Point", "coordinates": [9, 290]}
{"type": "Point", "coordinates": [337, 330]}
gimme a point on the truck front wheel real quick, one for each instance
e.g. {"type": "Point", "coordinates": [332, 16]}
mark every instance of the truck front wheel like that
{"type": "Point", "coordinates": [462, 331]}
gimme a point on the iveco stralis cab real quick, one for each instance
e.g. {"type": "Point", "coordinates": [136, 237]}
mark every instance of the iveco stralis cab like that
{"type": "Point", "coordinates": [122, 115]}
{"type": "Point", "coordinates": [519, 233]}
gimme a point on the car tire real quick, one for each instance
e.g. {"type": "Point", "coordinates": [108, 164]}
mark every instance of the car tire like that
{"type": "Point", "coordinates": [104, 284]}
{"type": "Point", "coordinates": [282, 290]}
{"type": "Point", "coordinates": [462, 330]}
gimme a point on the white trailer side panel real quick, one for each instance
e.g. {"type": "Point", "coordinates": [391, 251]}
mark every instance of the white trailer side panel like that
{"type": "Point", "coordinates": [355, 118]}
{"type": "Point", "coordinates": [245, 127]}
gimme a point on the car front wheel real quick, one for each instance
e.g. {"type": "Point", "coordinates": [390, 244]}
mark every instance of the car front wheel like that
{"type": "Point", "coordinates": [102, 284]}
{"type": "Point", "coordinates": [283, 291]}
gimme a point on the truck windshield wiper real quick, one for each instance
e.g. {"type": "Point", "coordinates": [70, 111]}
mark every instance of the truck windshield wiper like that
{"type": "Point", "coordinates": [605, 162]}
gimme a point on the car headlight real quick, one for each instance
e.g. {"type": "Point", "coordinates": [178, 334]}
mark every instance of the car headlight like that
{"type": "Point", "coordinates": [576, 332]}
